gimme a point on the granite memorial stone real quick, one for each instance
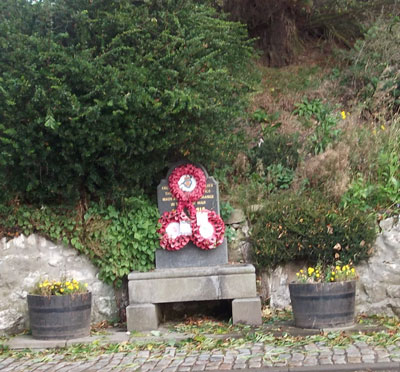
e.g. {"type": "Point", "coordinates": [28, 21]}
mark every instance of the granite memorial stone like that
{"type": "Point", "coordinates": [190, 255]}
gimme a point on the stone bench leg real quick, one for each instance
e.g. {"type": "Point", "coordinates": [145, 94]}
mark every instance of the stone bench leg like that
{"type": "Point", "coordinates": [247, 311]}
{"type": "Point", "coordinates": [142, 317]}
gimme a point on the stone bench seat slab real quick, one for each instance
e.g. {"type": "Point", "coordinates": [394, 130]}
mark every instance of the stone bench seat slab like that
{"type": "Point", "coordinates": [192, 284]}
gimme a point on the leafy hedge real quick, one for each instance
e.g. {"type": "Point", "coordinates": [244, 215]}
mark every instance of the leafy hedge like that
{"type": "Point", "coordinates": [308, 227]}
{"type": "Point", "coordinates": [98, 96]}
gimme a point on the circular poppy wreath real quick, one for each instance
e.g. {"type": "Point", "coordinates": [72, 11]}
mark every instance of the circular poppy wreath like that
{"type": "Point", "coordinates": [170, 222]}
{"type": "Point", "coordinates": [187, 183]}
{"type": "Point", "coordinates": [202, 237]}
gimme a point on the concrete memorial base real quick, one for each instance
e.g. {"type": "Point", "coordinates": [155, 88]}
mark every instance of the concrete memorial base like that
{"type": "Point", "coordinates": [225, 282]}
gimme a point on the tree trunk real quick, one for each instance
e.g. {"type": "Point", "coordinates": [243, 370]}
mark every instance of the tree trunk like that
{"type": "Point", "coordinates": [273, 23]}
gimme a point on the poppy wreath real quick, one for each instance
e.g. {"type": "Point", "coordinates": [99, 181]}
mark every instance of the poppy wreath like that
{"type": "Point", "coordinates": [187, 183]}
{"type": "Point", "coordinates": [205, 228]}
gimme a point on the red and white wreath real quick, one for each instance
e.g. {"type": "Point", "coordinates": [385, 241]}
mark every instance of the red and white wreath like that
{"type": "Point", "coordinates": [204, 228]}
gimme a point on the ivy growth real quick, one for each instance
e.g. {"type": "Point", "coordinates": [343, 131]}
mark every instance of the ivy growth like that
{"type": "Point", "coordinates": [117, 240]}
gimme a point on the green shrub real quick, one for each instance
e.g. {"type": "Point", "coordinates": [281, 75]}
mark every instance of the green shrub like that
{"type": "Point", "coordinates": [381, 193]}
{"type": "Point", "coordinates": [308, 227]}
{"type": "Point", "coordinates": [117, 240]}
{"type": "Point", "coordinates": [98, 96]}
{"type": "Point", "coordinates": [276, 149]}
{"type": "Point", "coordinates": [325, 132]}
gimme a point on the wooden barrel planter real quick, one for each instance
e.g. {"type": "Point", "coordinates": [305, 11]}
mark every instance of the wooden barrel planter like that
{"type": "Point", "coordinates": [323, 305]}
{"type": "Point", "coordinates": [60, 317]}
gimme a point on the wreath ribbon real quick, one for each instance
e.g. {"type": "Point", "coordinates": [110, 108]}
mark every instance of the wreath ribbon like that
{"type": "Point", "coordinates": [204, 228]}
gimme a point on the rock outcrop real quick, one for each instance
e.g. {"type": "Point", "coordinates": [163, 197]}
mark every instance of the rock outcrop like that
{"type": "Point", "coordinates": [26, 260]}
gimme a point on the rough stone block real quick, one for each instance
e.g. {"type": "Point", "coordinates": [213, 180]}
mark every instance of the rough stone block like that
{"type": "Point", "coordinates": [247, 311]}
{"type": "Point", "coordinates": [142, 317]}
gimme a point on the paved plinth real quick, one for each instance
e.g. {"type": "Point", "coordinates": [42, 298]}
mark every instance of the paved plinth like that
{"type": "Point", "coordinates": [226, 282]}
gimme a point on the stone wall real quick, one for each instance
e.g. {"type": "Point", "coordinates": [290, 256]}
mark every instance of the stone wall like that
{"type": "Point", "coordinates": [25, 260]}
{"type": "Point", "coordinates": [378, 287]}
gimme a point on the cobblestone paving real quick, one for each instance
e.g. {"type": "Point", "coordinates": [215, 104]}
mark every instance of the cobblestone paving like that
{"type": "Point", "coordinates": [257, 355]}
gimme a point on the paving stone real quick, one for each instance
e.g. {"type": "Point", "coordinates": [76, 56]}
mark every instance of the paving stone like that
{"type": "Point", "coordinates": [239, 366]}
{"type": "Point", "coordinates": [183, 369]}
{"type": "Point", "coordinates": [368, 359]}
{"type": "Point", "coordinates": [216, 358]}
{"type": "Point", "coordinates": [325, 361]}
{"type": "Point", "coordinates": [353, 359]}
{"type": "Point", "coordinates": [198, 367]}
{"type": "Point", "coordinates": [204, 357]}
{"type": "Point", "coordinates": [310, 347]}
{"type": "Point", "coordinates": [171, 369]}
{"type": "Point", "coordinates": [212, 365]}
{"type": "Point", "coordinates": [309, 361]}
{"type": "Point", "coordinates": [297, 357]}
{"type": "Point", "coordinates": [176, 362]}
{"type": "Point", "coordinates": [340, 359]}
{"type": "Point", "coordinates": [338, 351]}
{"type": "Point", "coordinates": [226, 366]}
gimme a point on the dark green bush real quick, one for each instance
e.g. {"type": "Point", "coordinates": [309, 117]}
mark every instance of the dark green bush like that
{"type": "Point", "coordinates": [276, 149]}
{"type": "Point", "coordinates": [117, 240]}
{"type": "Point", "coordinates": [98, 96]}
{"type": "Point", "coordinates": [308, 227]}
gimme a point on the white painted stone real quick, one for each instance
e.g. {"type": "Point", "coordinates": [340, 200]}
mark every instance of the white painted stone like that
{"type": "Point", "coordinates": [25, 260]}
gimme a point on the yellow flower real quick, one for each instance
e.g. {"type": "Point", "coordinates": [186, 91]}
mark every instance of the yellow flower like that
{"type": "Point", "coordinates": [297, 274]}
{"type": "Point", "coordinates": [86, 285]}
{"type": "Point", "coordinates": [67, 283]}
{"type": "Point", "coordinates": [70, 287]}
{"type": "Point", "coordinates": [337, 268]}
{"type": "Point", "coordinates": [353, 270]}
{"type": "Point", "coordinates": [310, 270]}
{"type": "Point", "coordinates": [333, 273]}
{"type": "Point", "coordinates": [383, 127]}
{"type": "Point", "coordinates": [61, 290]}
{"type": "Point", "coordinates": [343, 115]}
{"type": "Point", "coordinates": [301, 271]}
{"type": "Point", "coordinates": [317, 275]}
{"type": "Point", "coordinates": [332, 279]}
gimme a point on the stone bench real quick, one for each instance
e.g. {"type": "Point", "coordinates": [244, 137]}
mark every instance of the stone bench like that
{"type": "Point", "coordinates": [224, 282]}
